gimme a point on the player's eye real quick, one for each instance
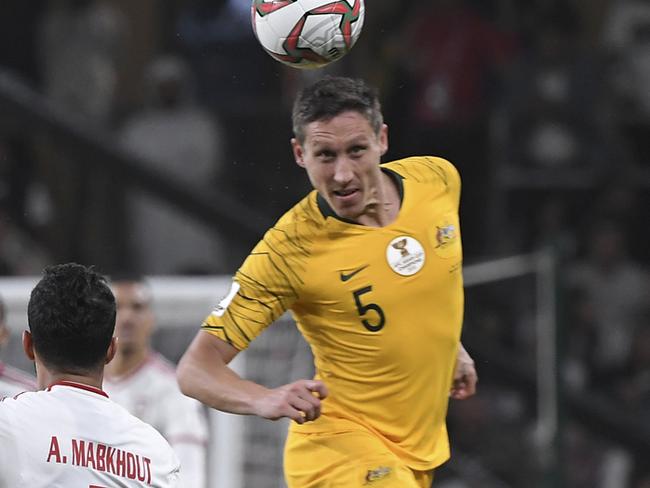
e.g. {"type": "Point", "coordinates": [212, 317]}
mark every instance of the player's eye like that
{"type": "Point", "coordinates": [325, 155]}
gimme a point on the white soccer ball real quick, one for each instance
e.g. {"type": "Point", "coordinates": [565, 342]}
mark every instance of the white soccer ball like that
{"type": "Point", "coordinates": [307, 33]}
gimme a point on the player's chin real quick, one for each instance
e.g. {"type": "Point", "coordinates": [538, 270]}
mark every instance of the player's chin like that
{"type": "Point", "coordinates": [348, 210]}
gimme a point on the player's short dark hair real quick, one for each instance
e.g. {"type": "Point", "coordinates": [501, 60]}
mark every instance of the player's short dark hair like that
{"type": "Point", "coordinates": [331, 96]}
{"type": "Point", "coordinates": [71, 314]}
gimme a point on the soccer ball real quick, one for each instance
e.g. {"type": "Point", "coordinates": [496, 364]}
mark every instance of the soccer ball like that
{"type": "Point", "coordinates": [307, 33]}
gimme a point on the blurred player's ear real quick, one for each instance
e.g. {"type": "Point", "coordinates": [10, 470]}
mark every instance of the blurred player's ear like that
{"type": "Point", "coordinates": [28, 345]}
{"type": "Point", "coordinates": [112, 349]}
{"type": "Point", "coordinates": [298, 152]}
{"type": "Point", "coordinates": [4, 335]}
{"type": "Point", "coordinates": [383, 139]}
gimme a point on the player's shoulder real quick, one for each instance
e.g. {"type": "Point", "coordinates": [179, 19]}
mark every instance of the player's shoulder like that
{"type": "Point", "coordinates": [297, 227]}
{"type": "Point", "coordinates": [425, 168]}
{"type": "Point", "coordinates": [141, 432]}
{"type": "Point", "coordinates": [23, 402]}
{"type": "Point", "coordinates": [136, 426]}
{"type": "Point", "coordinates": [158, 372]}
{"type": "Point", "coordinates": [304, 212]}
{"type": "Point", "coordinates": [162, 366]}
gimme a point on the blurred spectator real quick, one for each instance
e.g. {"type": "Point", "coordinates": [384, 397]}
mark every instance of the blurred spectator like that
{"type": "Point", "coordinates": [496, 424]}
{"type": "Point", "coordinates": [12, 380]}
{"type": "Point", "coordinates": [633, 382]}
{"type": "Point", "coordinates": [554, 100]}
{"type": "Point", "coordinates": [454, 59]}
{"type": "Point", "coordinates": [451, 54]}
{"type": "Point", "coordinates": [631, 391]}
{"type": "Point", "coordinates": [81, 47]}
{"type": "Point", "coordinates": [587, 459]}
{"type": "Point", "coordinates": [177, 138]}
{"type": "Point", "coordinates": [377, 51]}
{"type": "Point", "coordinates": [593, 14]}
{"type": "Point", "coordinates": [243, 85]}
{"type": "Point", "coordinates": [24, 210]}
{"type": "Point", "coordinates": [233, 72]}
{"type": "Point", "coordinates": [553, 228]}
{"type": "Point", "coordinates": [81, 42]}
{"type": "Point", "coordinates": [144, 382]}
{"type": "Point", "coordinates": [615, 293]}
{"type": "Point", "coordinates": [626, 38]}
{"type": "Point", "coordinates": [18, 28]}
{"type": "Point", "coordinates": [580, 352]}
{"type": "Point", "coordinates": [623, 200]}
{"type": "Point", "coordinates": [19, 253]}
{"type": "Point", "coordinates": [16, 173]}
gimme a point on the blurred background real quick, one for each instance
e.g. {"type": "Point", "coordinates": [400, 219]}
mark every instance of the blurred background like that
{"type": "Point", "coordinates": [153, 136]}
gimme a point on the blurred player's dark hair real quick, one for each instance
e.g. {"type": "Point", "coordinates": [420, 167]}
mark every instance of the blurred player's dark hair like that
{"type": "Point", "coordinates": [331, 96]}
{"type": "Point", "coordinates": [125, 276]}
{"type": "Point", "coordinates": [71, 314]}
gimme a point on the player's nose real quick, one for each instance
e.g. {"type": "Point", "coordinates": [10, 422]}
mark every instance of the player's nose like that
{"type": "Point", "coordinates": [343, 170]}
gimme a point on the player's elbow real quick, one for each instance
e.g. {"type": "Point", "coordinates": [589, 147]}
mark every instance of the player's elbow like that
{"type": "Point", "coordinates": [185, 378]}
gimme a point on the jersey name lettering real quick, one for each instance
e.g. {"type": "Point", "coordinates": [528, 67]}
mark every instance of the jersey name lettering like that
{"type": "Point", "coordinates": [103, 458]}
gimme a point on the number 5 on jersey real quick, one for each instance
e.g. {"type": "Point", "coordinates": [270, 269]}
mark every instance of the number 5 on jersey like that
{"type": "Point", "coordinates": [363, 309]}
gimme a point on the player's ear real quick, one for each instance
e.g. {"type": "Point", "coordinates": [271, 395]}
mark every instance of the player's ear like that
{"type": "Point", "coordinates": [112, 349]}
{"type": "Point", "coordinates": [4, 335]}
{"type": "Point", "coordinates": [383, 139]}
{"type": "Point", "coordinates": [298, 152]}
{"type": "Point", "coordinates": [28, 345]}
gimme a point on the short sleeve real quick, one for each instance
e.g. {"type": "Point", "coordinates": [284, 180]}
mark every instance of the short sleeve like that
{"type": "Point", "coordinates": [262, 290]}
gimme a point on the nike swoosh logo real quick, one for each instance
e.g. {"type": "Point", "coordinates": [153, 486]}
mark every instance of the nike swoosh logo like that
{"type": "Point", "coordinates": [346, 276]}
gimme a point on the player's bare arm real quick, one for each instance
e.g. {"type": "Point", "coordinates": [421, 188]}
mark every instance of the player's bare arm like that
{"type": "Point", "coordinates": [203, 373]}
{"type": "Point", "coordinates": [465, 377]}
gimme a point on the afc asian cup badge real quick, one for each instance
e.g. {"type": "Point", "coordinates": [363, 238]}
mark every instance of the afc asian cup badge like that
{"type": "Point", "coordinates": [405, 255]}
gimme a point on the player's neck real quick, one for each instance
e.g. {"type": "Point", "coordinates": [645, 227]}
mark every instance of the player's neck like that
{"type": "Point", "coordinates": [386, 210]}
{"type": "Point", "coordinates": [47, 378]}
{"type": "Point", "coordinates": [125, 362]}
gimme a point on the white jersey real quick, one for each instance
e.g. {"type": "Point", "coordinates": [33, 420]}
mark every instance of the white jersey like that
{"type": "Point", "coordinates": [73, 436]}
{"type": "Point", "coordinates": [151, 393]}
{"type": "Point", "coordinates": [14, 381]}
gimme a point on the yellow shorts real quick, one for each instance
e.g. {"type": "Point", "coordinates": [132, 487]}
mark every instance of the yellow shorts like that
{"type": "Point", "coordinates": [347, 459]}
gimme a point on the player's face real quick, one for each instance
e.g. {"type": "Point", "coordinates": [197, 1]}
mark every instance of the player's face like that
{"type": "Point", "coordinates": [341, 156]}
{"type": "Point", "coordinates": [134, 322]}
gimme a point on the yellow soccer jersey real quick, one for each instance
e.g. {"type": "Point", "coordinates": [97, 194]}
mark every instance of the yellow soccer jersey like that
{"type": "Point", "coordinates": [381, 308]}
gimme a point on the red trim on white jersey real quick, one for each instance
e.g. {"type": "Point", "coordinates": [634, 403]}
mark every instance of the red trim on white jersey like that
{"type": "Point", "coordinates": [81, 386]}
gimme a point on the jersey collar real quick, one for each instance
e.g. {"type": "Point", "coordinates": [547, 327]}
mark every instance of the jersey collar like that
{"type": "Point", "coordinates": [81, 386]}
{"type": "Point", "coordinates": [327, 211]}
